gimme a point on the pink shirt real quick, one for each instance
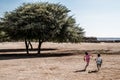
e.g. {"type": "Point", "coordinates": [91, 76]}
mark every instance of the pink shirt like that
{"type": "Point", "coordinates": [87, 58]}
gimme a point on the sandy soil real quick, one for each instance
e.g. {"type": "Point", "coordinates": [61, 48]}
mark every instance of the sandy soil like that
{"type": "Point", "coordinates": [58, 62]}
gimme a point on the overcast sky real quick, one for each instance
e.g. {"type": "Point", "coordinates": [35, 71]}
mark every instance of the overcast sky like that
{"type": "Point", "coordinates": [99, 18]}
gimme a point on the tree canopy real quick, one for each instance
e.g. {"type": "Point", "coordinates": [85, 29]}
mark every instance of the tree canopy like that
{"type": "Point", "coordinates": [41, 21]}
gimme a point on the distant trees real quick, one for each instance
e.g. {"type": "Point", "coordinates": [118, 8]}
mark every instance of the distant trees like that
{"type": "Point", "coordinates": [90, 39]}
{"type": "Point", "coordinates": [42, 22]}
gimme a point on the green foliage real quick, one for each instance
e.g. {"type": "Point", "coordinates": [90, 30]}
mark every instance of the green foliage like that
{"type": "Point", "coordinates": [70, 32]}
{"type": "Point", "coordinates": [46, 21]}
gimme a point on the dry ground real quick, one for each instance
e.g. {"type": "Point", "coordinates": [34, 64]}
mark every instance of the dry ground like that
{"type": "Point", "coordinates": [58, 62]}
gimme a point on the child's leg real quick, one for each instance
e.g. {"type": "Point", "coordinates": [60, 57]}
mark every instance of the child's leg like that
{"type": "Point", "coordinates": [86, 66]}
{"type": "Point", "coordinates": [98, 66]}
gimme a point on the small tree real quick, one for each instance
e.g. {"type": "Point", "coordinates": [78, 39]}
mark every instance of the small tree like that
{"type": "Point", "coordinates": [43, 22]}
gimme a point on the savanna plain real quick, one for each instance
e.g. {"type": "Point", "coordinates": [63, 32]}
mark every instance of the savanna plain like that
{"type": "Point", "coordinates": [58, 61]}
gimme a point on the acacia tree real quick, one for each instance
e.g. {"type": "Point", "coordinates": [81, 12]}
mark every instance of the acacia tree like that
{"type": "Point", "coordinates": [70, 32]}
{"type": "Point", "coordinates": [41, 21]}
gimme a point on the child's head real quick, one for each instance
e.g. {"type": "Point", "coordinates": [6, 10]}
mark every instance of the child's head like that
{"type": "Point", "coordinates": [86, 53]}
{"type": "Point", "coordinates": [98, 55]}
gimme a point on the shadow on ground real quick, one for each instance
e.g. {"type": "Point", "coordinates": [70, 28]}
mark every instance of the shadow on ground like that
{"type": "Point", "coordinates": [21, 50]}
{"type": "Point", "coordinates": [23, 55]}
{"type": "Point", "coordinates": [93, 71]}
{"type": "Point", "coordinates": [80, 71]}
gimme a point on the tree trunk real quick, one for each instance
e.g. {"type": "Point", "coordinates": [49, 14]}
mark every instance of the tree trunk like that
{"type": "Point", "coordinates": [39, 46]}
{"type": "Point", "coordinates": [29, 43]}
{"type": "Point", "coordinates": [26, 44]}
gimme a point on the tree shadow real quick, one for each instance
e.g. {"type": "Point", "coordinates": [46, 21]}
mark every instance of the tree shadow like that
{"type": "Point", "coordinates": [21, 50]}
{"type": "Point", "coordinates": [32, 55]}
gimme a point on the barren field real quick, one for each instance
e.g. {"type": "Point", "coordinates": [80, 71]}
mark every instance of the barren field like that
{"type": "Point", "coordinates": [58, 61]}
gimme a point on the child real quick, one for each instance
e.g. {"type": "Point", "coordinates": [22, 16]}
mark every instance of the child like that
{"type": "Point", "coordinates": [98, 61]}
{"type": "Point", "coordinates": [87, 59]}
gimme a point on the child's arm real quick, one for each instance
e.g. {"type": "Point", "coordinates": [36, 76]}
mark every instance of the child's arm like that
{"type": "Point", "coordinates": [101, 61]}
{"type": "Point", "coordinates": [91, 55]}
{"type": "Point", "coordinates": [95, 59]}
{"type": "Point", "coordinates": [84, 58]}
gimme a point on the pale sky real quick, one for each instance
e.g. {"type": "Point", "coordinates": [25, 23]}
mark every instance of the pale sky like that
{"type": "Point", "coordinates": [99, 18]}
